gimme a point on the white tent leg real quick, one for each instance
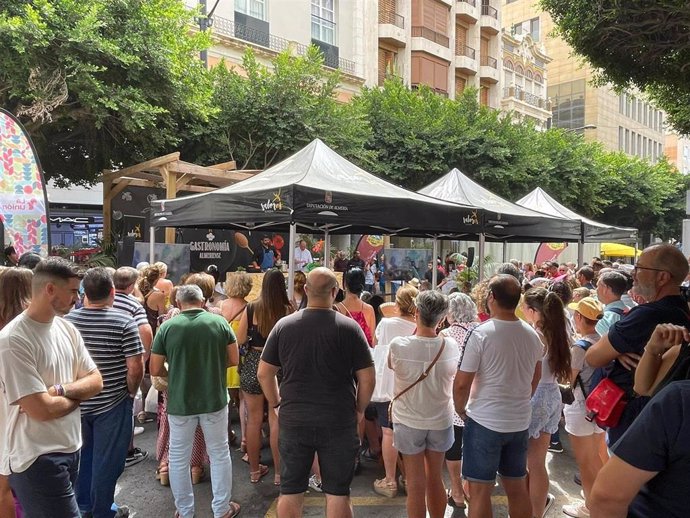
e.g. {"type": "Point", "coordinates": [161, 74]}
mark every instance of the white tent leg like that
{"type": "Point", "coordinates": [505, 251]}
{"type": "Point", "coordinates": [327, 249]}
{"type": "Point", "coordinates": [434, 270]}
{"type": "Point", "coordinates": [152, 244]}
{"type": "Point", "coordinates": [482, 245]}
{"type": "Point", "coordinates": [580, 254]}
{"type": "Point", "coordinates": [291, 262]}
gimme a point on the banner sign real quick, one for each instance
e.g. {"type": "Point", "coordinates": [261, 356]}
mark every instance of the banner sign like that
{"type": "Point", "coordinates": [23, 201]}
{"type": "Point", "coordinates": [549, 252]}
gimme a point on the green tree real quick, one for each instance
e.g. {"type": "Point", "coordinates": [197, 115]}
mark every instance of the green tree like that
{"type": "Point", "coordinates": [101, 83]}
{"type": "Point", "coordinates": [633, 44]}
{"type": "Point", "coordinates": [263, 114]}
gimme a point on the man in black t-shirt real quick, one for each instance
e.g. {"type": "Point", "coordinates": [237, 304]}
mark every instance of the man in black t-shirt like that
{"type": "Point", "coordinates": [657, 276]}
{"type": "Point", "coordinates": [328, 376]}
{"type": "Point", "coordinates": [355, 262]}
{"type": "Point", "coordinates": [647, 476]}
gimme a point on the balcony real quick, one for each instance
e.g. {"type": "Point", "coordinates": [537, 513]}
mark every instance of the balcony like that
{"type": "Point", "coordinates": [431, 42]}
{"type": "Point", "coordinates": [519, 94]}
{"type": "Point", "coordinates": [489, 20]}
{"type": "Point", "coordinates": [270, 42]}
{"type": "Point", "coordinates": [392, 28]}
{"type": "Point", "coordinates": [466, 10]}
{"type": "Point", "coordinates": [488, 69]}
{"type": "Point", "coordinates": [465, 59]}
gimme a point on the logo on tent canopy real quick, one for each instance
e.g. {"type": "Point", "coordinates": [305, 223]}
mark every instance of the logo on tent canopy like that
{"type": "Point", "coordinates": [471, 219]}
{"type": "Point", "coordinates": [273, 205]}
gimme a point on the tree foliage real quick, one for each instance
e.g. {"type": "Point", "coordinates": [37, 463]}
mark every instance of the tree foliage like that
{"type": "Point", "coordinates": [418, 136]}
{"type": "Point", "coordinates": [634, 44]}
{"type": "Point", "coordinates": [101, 83]}
{"type": "Point", "coordinates": [263, 114]}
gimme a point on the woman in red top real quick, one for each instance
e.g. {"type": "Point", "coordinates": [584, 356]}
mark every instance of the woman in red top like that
{"type": "Point", "coordinates": [353, 307]}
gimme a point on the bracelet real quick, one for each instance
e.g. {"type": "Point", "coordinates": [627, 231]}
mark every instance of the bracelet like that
{"type": "Point", "coordinates": [59, 389]}
{"type": "Point", "coordinates": [660, 355]}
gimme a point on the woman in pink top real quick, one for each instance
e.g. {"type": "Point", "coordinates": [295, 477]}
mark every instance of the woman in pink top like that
{"type": "Point", "coordinates": [353, 307]}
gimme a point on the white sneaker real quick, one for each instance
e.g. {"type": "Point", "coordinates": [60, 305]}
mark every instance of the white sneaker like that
{"type": "Point", "coordinates": [315, 484]}
{"type": "Point", "coordinates": [138, 430]}
{"type": "Point", "coordinates": [576, 510]}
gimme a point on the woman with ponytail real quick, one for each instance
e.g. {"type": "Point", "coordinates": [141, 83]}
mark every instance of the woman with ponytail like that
{"type": "Point", "coordinates": [154, 299]}
{"type": "Point", "coordinates": [544, 310]}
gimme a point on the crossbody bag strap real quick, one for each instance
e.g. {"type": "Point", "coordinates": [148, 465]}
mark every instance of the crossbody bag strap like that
{"type": "Point", "coordinates": [578, 381]}
{"type": "Point", "coordinates": [424, 374]}
{"type": "Point", "coordinates": [238, 313]}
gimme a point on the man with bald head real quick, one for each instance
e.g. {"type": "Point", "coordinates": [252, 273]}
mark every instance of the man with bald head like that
{"type": "Point", "coordinates": [328, 375]}
{"type": "Point", "coordinates": [657, 277]}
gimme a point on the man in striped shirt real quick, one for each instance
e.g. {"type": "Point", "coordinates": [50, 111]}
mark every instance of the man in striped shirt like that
{"type": "Point", "coordinates": [112, 339]}
{"type": "Point", "coordinates": [125, 278]}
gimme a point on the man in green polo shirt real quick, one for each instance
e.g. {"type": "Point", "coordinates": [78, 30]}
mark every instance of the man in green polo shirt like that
{"type": "Point", "coordinates": [198, 347]}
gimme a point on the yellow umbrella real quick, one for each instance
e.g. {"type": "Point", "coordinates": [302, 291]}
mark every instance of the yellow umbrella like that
{"type": "Point", "coordinates": [618, 250]}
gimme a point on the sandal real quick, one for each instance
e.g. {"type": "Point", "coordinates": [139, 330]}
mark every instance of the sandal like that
{"type": "Point", "coordinates": [197, 474]}
{"type": "Point", "coordinates": [243, 446]}
{"type": "Point", "coordinates": [162, 475]}
{"type": "Point", "coordinates": [234, 510]}
{"type": "Point", "coordinates": [276, 480]}
{"type": "Point", "coordinates": [451, 501]}
{"type": "Point", "coordinates": [256, 476]}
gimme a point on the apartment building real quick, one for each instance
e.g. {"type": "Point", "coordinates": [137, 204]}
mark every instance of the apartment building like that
{"type": "Point", "coordinates": [624, 122]}
{"type": "Point", "coordinates": [445, 44]}
{"type": "Point", "coordinates": [524, 76]}
{"type": "Point", "coordinates": [273, 26]}
{"type": "Point", "coordinates": [677, 149]}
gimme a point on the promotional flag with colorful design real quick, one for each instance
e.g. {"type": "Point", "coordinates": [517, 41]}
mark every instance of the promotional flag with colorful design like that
{"type": "Point", "coordinates": [23, 200]}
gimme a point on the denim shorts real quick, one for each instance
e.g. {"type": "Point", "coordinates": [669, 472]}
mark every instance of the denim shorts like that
{"type": "Point", "coordinates": [411, 441]}
{"type": "Point", "coordinates": [486, 452]}
{"type": "Point", "coordinates": [382, 414]}
{"type": "Point", "coordinates": [336, 447]}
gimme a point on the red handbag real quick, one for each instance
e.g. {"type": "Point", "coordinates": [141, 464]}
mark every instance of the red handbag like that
{"type": "Point", "coordinates": [605, 404]}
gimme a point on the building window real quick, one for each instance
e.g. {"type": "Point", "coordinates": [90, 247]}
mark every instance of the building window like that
{"type": "Point", "coordinates": [530, 27]}
{"type": "Point", "coordinates": [430, 70]}
{"type": "Point", "coordinates": [323, 21]}
{"type": "Point", "coordinates": [253, 8]}
{"type": "Point", "coordinates": [621, 139]}
{"type": "Point", "coordinates": [568, 104]}
{"type": "Point", "coordinates": [621, 104]}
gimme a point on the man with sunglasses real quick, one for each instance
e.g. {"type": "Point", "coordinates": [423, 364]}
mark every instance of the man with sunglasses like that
{"type": "Point", "coordinates": [657, 276]}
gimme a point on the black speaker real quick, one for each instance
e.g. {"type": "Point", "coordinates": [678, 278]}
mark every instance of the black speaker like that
{"type": "Point", "coordinates": [125, 253]}
{"type": "Point", "coordinates": [470, 257]}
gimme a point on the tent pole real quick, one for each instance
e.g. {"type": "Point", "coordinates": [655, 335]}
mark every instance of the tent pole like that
{"type": "Point", "coordinates": [434, 271]}
{"type": "Point", "coordinates": [482, 244]}
{"type": "Point", "coordinates": [291, 263]}
{"type": "Point", "coordinates": [505, 250]}
{"type": "Point", "coordinates": [152, 243]}
{"type": "Point", "coordinates": [327, 248]}
{"type": "Point", "coordinates": [580, 253]}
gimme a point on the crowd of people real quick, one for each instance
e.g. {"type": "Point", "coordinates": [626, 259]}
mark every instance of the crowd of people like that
{"type": "Point", "coordinates": [476, 380]}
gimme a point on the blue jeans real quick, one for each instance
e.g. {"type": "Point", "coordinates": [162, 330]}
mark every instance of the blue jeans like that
{"type": "Point", "coordinates": [215, 428]}
{"type": "Point", "coordinates": [106, 439]}
{"type": "Point", "coordinates": [46, 488]}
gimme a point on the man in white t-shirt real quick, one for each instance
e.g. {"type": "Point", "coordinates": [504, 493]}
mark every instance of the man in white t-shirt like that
{"type": "Point", "coordinates": [501, 363]}
{"type": "Point", "coordinates": [45, 372]}
{"type": "Point", "coordinates": [302, 256]}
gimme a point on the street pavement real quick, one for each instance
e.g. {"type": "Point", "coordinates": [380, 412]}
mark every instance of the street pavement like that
{"type": "Point", "coordinates": [138, 489]}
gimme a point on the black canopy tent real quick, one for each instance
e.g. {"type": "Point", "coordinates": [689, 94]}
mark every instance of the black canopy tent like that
{"type": "Point", "coordinates": [501, 220]}
{"type": "Point", "coordinates": [318, 190]}
{"type": "Point", "coordinates": [590, 230]}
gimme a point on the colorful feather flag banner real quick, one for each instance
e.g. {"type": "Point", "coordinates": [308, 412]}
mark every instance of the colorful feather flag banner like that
{"type": "Point", "coordinates": [23, 200]}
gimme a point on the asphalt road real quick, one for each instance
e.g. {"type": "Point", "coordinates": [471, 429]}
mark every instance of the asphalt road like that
{"type": "Point", "coordinates": [146, 498]}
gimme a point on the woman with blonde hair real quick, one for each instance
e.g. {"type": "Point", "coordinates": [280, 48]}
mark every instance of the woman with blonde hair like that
{"type": "Point", "coordinates": [237, 288]}
{"type": "Point", "coordinates": [299, 297]}
{"type": "Point", "coordinates": [15, 295]}
{"type": "Point", "coordinates": [154, 299]}
{"type": "Point", "coordinates": [401, 324]}
{"type": "Point", "coordinates": [257, 321]}
{"type": "Point", "coordinates": [544, 310]}
{"type": "Point", "coordinates": [164, 284]}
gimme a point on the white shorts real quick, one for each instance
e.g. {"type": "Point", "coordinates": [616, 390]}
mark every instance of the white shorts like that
{"type": "Point", "coordinates": [575, 422]}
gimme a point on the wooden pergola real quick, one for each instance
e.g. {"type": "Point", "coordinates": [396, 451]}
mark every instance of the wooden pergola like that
{"type": "Point", "coordinates": [170, 173]}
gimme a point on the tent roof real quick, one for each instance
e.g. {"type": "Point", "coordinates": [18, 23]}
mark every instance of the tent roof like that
{"type": "Point", "coordinates": [594, 231]}
{"type": "Point", "coordinates": [318, 188]}
{"type": "Point", "coordinates": [503, 219]}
